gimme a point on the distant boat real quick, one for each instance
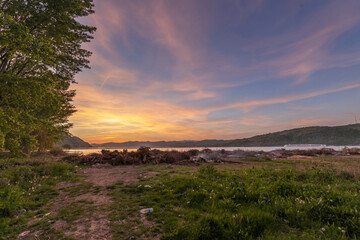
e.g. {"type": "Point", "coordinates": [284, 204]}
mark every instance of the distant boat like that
{"type": "Point", "coordinates": [305, 146]}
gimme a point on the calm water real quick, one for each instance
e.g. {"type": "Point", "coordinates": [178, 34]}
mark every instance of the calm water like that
{"type": "Point", "coordinates": [266, 149]}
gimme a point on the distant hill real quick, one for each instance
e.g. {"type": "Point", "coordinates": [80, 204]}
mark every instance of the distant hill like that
{"type": "Point", "coordinates": [163, 144]}
{"type": "Point", "coordinates": [340, 135]}
{"type": "Point", "coordinates": [74, 142]}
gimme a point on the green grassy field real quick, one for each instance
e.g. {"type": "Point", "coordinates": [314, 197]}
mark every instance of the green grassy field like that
{"type": "Point", "coordinates": [26, 185]}
{"type": "Point", "coordinates": [282, 199]}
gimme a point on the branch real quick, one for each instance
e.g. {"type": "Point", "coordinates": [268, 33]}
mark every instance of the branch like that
{"type": "Point", "coordinates": [4, 56]}
{"type": "Point", "coordinates": [3, 65]}
{"type": "Point", "coordinates": [7, 68]}
{"type": "Point", "coordinates": [3, 51]}
{"type": "Point", "coordinates": [3, 5]}
{"type": "Point", "coordinates": [23, 67]}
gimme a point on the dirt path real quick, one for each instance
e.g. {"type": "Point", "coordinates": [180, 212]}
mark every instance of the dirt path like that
{"type": "Point", "coordinates": [104, 175]}
{"type": "Point", "coordinates": [92, 222]}
{"type": "Point", "coordinates": [81, 210]}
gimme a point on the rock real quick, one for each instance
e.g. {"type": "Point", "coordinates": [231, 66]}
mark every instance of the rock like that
{"type": "Point", "coordinates": [23, 234]}
{"type": "Point", "coordinates": [354, 151]}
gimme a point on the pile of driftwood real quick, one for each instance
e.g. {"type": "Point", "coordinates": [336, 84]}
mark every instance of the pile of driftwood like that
{"type": "Point", "coordinates": [144, 155]}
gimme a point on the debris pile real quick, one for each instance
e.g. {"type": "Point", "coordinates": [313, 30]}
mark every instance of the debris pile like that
{"type": "Point", "coordinates": [144, 155]}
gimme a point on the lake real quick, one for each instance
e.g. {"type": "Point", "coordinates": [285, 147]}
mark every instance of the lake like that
{"type": "Point", "coordinates": [265, 149]}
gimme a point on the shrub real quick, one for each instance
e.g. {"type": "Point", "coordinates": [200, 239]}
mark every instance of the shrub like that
{"type": "Point", "coordinates": [57, 151]}
{"type": "Point", "coordinates": [10, 200]}
{"type": "Point", "coordinates": [66, 146]}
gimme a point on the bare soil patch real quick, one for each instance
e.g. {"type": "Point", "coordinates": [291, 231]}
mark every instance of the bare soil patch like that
{"type": "Point", "coordinates": [94, 227]}
{"type": "Point", "coordinates": [94, 203]}
{"type": "Point", "coordinates": [103, 175]}
{"type": "Point", "coordinates": [92, 224]}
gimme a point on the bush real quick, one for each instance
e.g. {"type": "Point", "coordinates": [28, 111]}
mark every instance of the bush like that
{"type": "Point", "coordinates": [10, 200]}
{"type": "Point", "coordinates": [66, 146]}
{"type": "Point", "coordinates": [57, 151]}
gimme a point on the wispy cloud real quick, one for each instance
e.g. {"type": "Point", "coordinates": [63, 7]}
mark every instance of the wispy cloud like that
{"type": "Point", "coordinates": [287, 99]}
{"type": "Point", "coordinates": [161, 68]}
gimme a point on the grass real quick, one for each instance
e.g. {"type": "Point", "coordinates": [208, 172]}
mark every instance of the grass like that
{"type": "Point", "coordinates": [279, 199]}
{"type": "Point", "coordinates": [25, 186]}
{"type": "Point", "coordinates": [273, 203]}
{"type": "Point", "coordinates": [75, 211]}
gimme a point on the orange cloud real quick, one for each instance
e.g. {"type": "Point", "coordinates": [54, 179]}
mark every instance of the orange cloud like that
{"type": "Point", "coordinates": [101, 118]}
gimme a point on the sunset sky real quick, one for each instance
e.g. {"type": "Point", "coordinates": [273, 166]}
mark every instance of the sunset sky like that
{"type": "Point", "coordinates": [210, 69]}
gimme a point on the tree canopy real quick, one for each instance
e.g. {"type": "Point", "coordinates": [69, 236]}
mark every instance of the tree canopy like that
{"type": "Point", "coordinates": [40, 53]}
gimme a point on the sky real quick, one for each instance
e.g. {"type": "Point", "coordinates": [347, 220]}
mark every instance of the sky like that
{"type": "Point", "coordinates": [209, 69]}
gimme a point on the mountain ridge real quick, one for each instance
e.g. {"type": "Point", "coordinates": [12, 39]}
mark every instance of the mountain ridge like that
{"type": "Point", "coordinates": [337, 135]}
{"type": "Point", "coordinates": [74, 142]}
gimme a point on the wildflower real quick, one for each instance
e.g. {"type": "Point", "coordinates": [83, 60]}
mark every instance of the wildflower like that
{"type": "Point", "coordinates": [299, 201]}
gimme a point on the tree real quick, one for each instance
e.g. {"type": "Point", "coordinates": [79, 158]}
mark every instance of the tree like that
{"type": "Point", "coordinates": [40, 53]}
